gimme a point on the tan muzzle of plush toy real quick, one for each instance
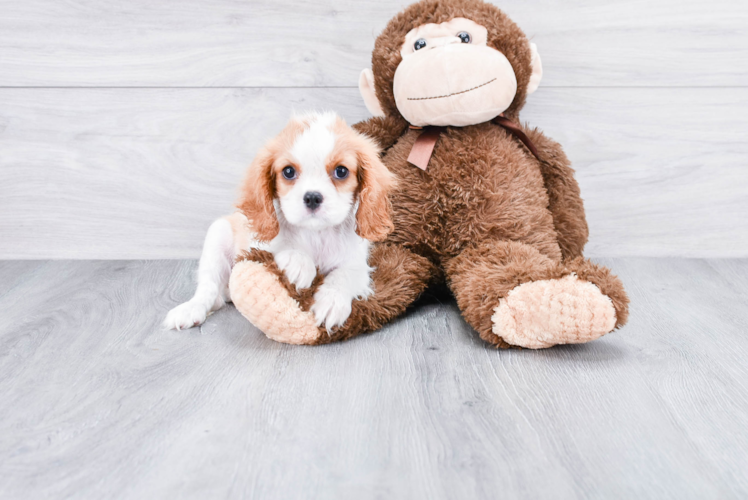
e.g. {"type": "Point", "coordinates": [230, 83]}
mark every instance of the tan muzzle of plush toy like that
{"type": "Point", "coordinates": [454, 84]}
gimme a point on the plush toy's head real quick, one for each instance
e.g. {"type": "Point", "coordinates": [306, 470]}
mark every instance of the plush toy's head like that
{"type": "Point", "coordinates": [450, 62]}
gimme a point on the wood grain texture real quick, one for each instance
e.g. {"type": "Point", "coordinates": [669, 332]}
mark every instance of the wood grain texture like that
{"type": "Point", "coordinates": [141, 173]}
{"type": "Point", "coordinates": [98, 402]}
{"type": "Point", "coordinates": [327, 43]}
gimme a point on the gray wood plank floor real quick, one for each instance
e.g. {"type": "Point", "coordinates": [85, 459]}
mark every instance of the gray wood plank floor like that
{"type": "Point", "coordinates": [98, 402]}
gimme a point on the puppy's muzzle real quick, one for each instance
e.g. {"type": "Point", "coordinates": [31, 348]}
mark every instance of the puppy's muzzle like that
{"type": "Point", "coordinates": [313, 200]}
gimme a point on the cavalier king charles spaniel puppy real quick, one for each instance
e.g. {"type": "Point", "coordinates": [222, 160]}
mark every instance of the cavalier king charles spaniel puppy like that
{"type": "Point", "coordinates": [315, 197]}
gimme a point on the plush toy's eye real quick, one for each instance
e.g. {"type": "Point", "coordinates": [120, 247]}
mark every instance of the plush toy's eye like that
{"type": "Point", "coordinates": [340, 172]}
{"type": "Point", "coordinates": [464, 36]}
{"type": "Point", "coordinates": [289, 173]}
{"type": "Point", "coordinates": [420, 43]}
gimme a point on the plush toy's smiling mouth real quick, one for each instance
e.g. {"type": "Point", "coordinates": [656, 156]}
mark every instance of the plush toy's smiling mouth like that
{"type": "Point", "coordinates": [453, 93]}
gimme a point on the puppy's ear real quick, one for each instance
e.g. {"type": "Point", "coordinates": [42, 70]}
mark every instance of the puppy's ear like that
{"type": "Point", "coordinates": [374, 181]}
{"type": "Point", "coordinates": [256, 198]}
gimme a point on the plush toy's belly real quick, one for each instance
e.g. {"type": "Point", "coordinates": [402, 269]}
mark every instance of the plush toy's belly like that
{"type": "Point", "coordinates": [480, 184]}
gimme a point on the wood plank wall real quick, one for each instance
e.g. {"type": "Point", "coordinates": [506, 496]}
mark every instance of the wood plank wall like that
{"type": "Point", "coordinates": [126, 126]}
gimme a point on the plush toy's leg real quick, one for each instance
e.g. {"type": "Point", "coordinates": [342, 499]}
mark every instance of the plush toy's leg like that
{"type": "Point", "coordinates": [264, 296]}
{"type": "Point", "coordinates": [515, 296]}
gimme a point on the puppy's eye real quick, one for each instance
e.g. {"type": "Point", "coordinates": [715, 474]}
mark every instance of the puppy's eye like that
{"type": "Point", "coordinates": [340, 172]}
{"type": "Point", "coordinates": [464, 36]}
{"type": "Point", "coordinates": [420, 43]}
{"type": "Point", "coordinates": [289, 173]}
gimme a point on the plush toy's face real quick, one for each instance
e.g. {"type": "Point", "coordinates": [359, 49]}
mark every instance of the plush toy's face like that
{"type": "Point", "coordinates": [452, 74]}
{"type": "Point", "coordinates": [449, 76]}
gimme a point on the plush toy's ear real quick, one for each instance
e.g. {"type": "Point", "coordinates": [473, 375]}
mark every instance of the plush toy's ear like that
{"type": "Point", "coordinates": [366, 87]}
{"type": "Point", "coordinates": [537, 70]}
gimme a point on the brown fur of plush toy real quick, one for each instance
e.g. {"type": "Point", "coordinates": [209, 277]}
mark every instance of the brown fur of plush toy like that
{"type": "Point", "coordinates": [399, 278]}
{"type": "Point", "coordinates": [487, 217]}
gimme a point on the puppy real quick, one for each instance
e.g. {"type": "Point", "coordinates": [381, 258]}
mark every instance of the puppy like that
{"type": "Point", "coordinates": [315, 197]}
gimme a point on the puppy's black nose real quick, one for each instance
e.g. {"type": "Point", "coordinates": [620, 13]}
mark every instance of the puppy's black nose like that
{"type": "Point", "coordinates": [312, 200]}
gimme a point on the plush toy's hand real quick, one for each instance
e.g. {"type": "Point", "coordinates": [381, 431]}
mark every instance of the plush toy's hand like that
{"type": "Point", "coordinates": [298, 267]}
{"type": "Point", "coordinates": [265, 296]}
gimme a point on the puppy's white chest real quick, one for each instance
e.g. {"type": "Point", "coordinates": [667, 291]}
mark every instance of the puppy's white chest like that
{"type": "Point", "coordinates": [328, 249]}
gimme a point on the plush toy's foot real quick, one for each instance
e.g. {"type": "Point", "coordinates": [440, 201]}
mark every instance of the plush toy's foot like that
{"type": "Point", "coordinates": [514, 296]}
{"type": "Point", "coordinates": [261, 297]}
{"type": "Point", "coordinates": [545, 313]}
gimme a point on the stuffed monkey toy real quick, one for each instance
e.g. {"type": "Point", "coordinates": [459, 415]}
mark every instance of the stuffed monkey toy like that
{"type": "Point", "coordinates": [484, 204]}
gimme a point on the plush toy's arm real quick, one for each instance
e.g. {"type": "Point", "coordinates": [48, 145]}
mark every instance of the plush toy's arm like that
{"type": "Point", "coordinates": [565, 202]}
{"type": "Point", "coordinates": [383, 129]}
{"type": "Point", "coordinates": [263, 294]}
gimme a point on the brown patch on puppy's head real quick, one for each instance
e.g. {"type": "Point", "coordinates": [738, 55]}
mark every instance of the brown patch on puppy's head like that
{"type": "Point", "coordinates": [344, 154]}
{"type": "Point", "coordinates": [368, 177]}
{"type": "Point", "coordinates": [260, 186]}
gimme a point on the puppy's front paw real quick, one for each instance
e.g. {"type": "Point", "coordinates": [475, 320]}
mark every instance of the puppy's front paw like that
{"type": "Point", "coordinates": [185, 315]}
{"type": "Point", "coordinates": [298, 267]}
{"type": "Point", "coordinates": [331, 307]}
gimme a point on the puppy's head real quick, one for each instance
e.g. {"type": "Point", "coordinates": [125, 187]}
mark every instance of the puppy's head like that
{"type": "Point", "coordinates": [316, 173]}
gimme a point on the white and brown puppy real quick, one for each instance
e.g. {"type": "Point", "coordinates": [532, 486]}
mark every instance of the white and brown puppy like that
{"type": "Point", "coordinates": [315, 197]}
